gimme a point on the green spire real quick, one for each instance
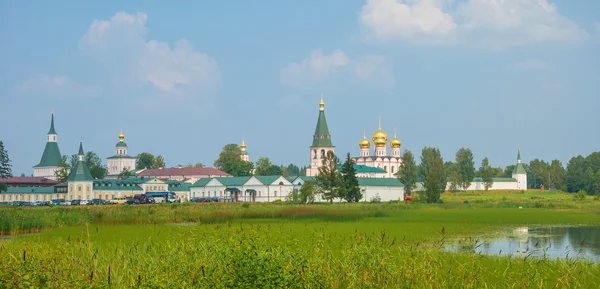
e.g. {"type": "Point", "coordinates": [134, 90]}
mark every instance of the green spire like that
{"type": "Point", "coordinates": [519, 156]}
{"type": "Point", "coordinates": [80, 172]}
{"type": "Point", "coordinates": [322, 138]}
{"type": "Point", "coordinates": [52, 131]}
{"type": "Point", "coordinates": [519, 168]}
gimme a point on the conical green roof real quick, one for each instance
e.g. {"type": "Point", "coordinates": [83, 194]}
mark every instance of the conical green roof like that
{"type": "Point", "coordinates": [80, 172]}
{"type": "Point", "coordinates": [519, 168]}
{"type": "Point", "coordinates": [322, 138]}
{"type": "Point", "coordinates": [52, 131]}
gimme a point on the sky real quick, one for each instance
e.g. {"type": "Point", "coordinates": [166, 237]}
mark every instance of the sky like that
{"type": "Point", "coordinates": [183, 80]}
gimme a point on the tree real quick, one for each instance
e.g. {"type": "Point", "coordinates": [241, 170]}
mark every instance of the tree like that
{"type": "Point", "coordinates": [328, 178]}
{"type": "Point", "coordinates": [64, 169]}
{"type": "Point", "coordinates": [94, 164]}
{"type": "Point", "coordinates": [125, 174]}
{"type": "Point", "coordinates": [5, 166]}
{"type": "Point", "coordinates": [308, 191]}
{"type": "Point", "coordinates": [144, 161]}
{"type": "Point", "coordinates": [557, 175]}
{"type": "Point", "coordinates": [508, 171]}
{"type": "Point", "coordinates": [407, 174]}
{"type": "Point", "coordinates": [159, 162]}
{"type": "Point", "coordinates": [293, 170]}
{"type": "Point", "coordinates": [465, 166]}
{"type": "Point", "coordinates": [433, 174]}
{"type": "Point", "coordinates": [453, 175]}
{"type": "Point", "coordinates": [196, 165]}
{"type": "Point", "coordinates": [349, 188]}
{"type": "Point", "coordinates": [230, 162]}
{"type": "Point", "coordinates": [537, 175]}
{"type": "Point", "coordinates": [486, 173]}
{"type": "Point", "coordinates": [263, 164]}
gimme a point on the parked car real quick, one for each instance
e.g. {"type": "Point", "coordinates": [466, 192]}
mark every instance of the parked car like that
{"type": "Point", "coordinates": [408, 198]}
{"type": "Point", "coordinates": [99, 202]}
{"type": "Point", "coordinates": [120, 200]}
{"type": "Point", "coordinates": [75, 202]}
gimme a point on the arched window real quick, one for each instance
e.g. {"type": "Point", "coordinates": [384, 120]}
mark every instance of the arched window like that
{"type": "Point", "coordinates": [322, 153]}
{"type": "Point", "coordinates": [314, 154]}
{"type": "Point", "coordinates": [385, 168]}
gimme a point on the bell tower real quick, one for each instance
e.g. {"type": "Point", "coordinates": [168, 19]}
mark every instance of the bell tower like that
{"type": "Point", "coordinates": [321, 143]}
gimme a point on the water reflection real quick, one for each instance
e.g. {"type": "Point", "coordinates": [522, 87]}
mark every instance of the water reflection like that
{"type": "Point", "coordinates": [539, 242]}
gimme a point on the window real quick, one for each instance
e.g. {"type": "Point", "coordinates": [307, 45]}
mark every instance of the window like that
{"type": "Point", "coordinates": [275, 193]}
{"type": "Point", "coordinates": [322, 153]}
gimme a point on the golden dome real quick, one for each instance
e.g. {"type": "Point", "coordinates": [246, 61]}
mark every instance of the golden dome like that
{"type": "Point", "coordinates": [243, 145]}
{"type": "Point", "coordinates": [321, 104]}
{"type": "Point", "coordinates": [379, 137]}
{"type": "Point", "coordinates": [364, 143]}
{"type": "Point", "coordinates": [121, 135]}
{"type": "Point", "coordinates": [395, 142]}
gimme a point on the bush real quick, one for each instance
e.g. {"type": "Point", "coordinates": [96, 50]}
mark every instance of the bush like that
{"type": "Point", "coordinates": [246, 205]}
{"type": "Point", "coordinates": [376, 199]}
{"type": "Point", "coordinates": [580, 195]}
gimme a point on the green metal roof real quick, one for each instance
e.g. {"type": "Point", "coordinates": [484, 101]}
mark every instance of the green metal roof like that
{"type": "Point", "coordinates": [233, 181]}
{"type": "Point", "coordinates": [322, 138]}
{"type": "Point", "coordinates": [121, 144]}
{"type": "Point", "coordinates": [363, 169]}
{"type": "Point", "coordinates": [380, 182]}
{"type": "Point", "coordinates": [121, 157]}
{"type": "Point", "coordinates": [116, 185]}
{"type": "Point", "coordinates": [52, 131]}
{"type": "Point", "coordinates": [30, 190]}
{"type": "Point", "coordinates": [51, 155]}
{"type": "Point", "coordinates": [519, 169]}
{"type": "Point", "coordinates": [80, 171]}
{"type": "Point", "coordinates": [245, 153]}
{"type": "Point", "coordinates": [201, 182]}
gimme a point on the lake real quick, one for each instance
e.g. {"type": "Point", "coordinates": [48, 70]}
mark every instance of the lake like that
{"type": "Point", "coordinates": [582, 242]}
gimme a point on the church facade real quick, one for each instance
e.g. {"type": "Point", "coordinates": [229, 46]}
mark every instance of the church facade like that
{"type": "Point", "coordinates": [120, 161]}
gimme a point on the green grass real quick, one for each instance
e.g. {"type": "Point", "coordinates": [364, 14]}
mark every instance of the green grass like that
{"type": "Point", "coordinates": [388, 245]}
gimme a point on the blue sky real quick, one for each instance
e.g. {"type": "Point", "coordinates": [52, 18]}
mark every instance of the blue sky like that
{"type": "Point", "coordinates": [184, 80]}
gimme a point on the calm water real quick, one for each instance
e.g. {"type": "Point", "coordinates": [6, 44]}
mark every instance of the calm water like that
{"type": "Point", "coordinates": [538, 242]}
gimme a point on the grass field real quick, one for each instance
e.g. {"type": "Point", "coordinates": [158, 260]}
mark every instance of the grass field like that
{"type": "Point", "coordinates": [388, 245]}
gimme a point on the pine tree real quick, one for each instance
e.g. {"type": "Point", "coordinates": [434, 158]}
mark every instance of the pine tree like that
{"type": "Point", "coordinates": [407, 174]}
{"type": "Point", "coordinates": [350, 190]}
{"type": "Point", "coordinates": [5, 166]}
{"type": "Point", "coordinates": [486, 174]}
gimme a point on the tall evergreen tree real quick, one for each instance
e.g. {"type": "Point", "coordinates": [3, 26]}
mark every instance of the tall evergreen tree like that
{"type": "Point", "coordinates": [465, 166]}
{"type": "Point", "coordinates": [486, 173]}
{"type": "Point", "coordinates": [407, 174]}
{"type": "Point", "coordinates": [5, 166]}
{"type": "Point", "coordinates": [329, 178]}
{"type": "Point", "coordinates": [350, 190]}
{"type": "Point", "coordinates": [433, 173]}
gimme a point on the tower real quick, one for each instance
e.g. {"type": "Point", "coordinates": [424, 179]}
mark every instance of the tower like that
{"type": "Point", "coordinates": [379, 139]}
{"type": "Point", "coordinates": [244, 155]}
{"type": "Point", "coordinates": [395, 143]}
{"type": "Point", "coordinates": [121, 160]}
{"type": "Point", "coordinates": [80, 181]}
{"type": "Point", "coordinates": [520, 174]}
{"type": "Point", "coordinates": [321, 143]}
{"type": "Point", "coordinates": [364, 145]}
{"type": "Point", "coordinates": [51, 156]}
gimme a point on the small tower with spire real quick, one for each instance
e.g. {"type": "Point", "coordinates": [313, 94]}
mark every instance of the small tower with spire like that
{"type": "Point", "coordinates": [321, 143]}
{"type": "Point", "coordinates": [519, 173]}
{"type": "Point", "coordinates": [395, 143]}
{"type": "Point", "coordinates": [121, 160]}
{"type": "Point", "coordinates": [51, 156]}
{"type": "Point", "coordinates": [364, 145]}
{"type": "Point", "coordinates": [244, 155]}
{"type": "Point", "coordinates": [80, 180]}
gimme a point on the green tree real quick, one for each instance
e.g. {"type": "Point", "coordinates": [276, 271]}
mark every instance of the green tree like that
{"type": "Point", "coordinates": [5, 166]}
{"type": "Point", "coordinates": [557, 175]}
{"type": "Point", "coordinates": [486, 173]}
{"type": "Point", "coordinates": [293, 170]}
{"type": "Point", "coordinates": [64, 169]}
{"type": "Point", "coordinates": [308, 191]}
{"type": "Point", "coordinates": [508, 171]}
{"type": "Point", "coordinates": [433, 174]}
{"type": "Point", "coordinates": [230, 162]}
{"type": "Point", "coordinates": [465, 166]}
{"type": "Point", "coordinates": [453, 175]}
{"type": "Point", "coordinates": [263, 164]}
{"type": "Point", "coordinates": [196, 165]}
{"type": "Point", "coordinates": [407, 174]}
{"type": "Point", "coordinates": [125, 174]}
{"type": "Point", "coordinates": [94, 164]}
{"type": "Point", "coordinates": [159, 162]}
{"type": "Point", "coordinates": [349, 188]}
{"type": "Point", "coordinates": [328, 178]}
{"type": "Point", "coordinates": [538, 174]}
{"type": "Point", "coordinates": [144, 161]}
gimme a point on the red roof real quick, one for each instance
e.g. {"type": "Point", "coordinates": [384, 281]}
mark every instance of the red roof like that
{"type": "Point", "coordinates": [28, 180]}
{"type": "Point", "coordinates": [182, 172]}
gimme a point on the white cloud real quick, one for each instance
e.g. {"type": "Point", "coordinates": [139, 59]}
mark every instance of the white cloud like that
{"type": "Point", "coordinates": [531, 65]}
{"type": "Point", "coordinates": [404, 19]}
{"type": "Point", "coordinates": [121, 43]}
{"type": "Point", "coordinates": [488, 23]}
{"type": "Point", "coordinates": [60, 85]}
{"type": "Point", "coordinates": [316, 67]}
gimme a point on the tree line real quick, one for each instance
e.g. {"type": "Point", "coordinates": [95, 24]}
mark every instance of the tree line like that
{"type": "Point", "coordinates": [230, 162]}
